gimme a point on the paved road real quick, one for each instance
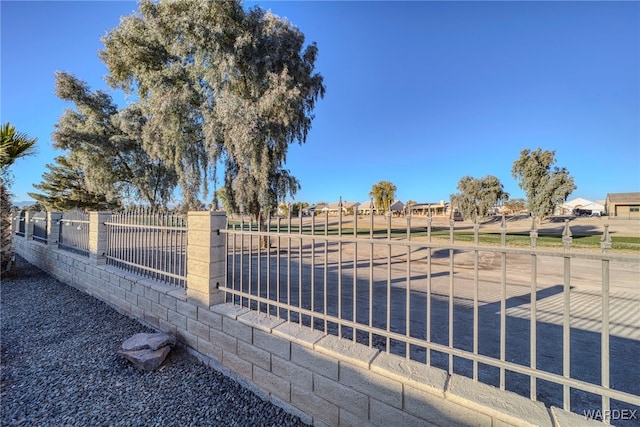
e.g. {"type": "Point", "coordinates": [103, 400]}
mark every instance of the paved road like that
{"type": "Point", "coordinates": [383, 277]}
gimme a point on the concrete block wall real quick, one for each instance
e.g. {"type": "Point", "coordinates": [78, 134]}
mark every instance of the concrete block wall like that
{"type": "Point", "coordinates": [325, 380]}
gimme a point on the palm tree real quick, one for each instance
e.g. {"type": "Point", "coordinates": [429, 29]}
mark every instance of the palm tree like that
{"type": "Point", "coordinates": [13, 145]}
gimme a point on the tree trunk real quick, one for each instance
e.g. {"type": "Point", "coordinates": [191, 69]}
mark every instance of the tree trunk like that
{"type": "Point", "coordinates": [7, 255]}
{"type": "Point", "coordinates": [263, 225]}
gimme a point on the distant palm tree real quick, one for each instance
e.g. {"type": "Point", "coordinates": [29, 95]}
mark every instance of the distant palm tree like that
{"type": "Point", "coordinates": [13, 145]}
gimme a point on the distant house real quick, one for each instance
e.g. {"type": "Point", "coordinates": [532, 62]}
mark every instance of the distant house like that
{"type": "Point", "coordinates": [623, 205]}
{"type": "Point", "coordinates": [347, 208]}
{"type": "Point", "coordinates": [367, 207]}
{"type": "Point", "coordinates": [437, 209]}
{"type": "Point", "coordinates": [397, 207]}
{"type": "Point", "coordinates": [311, 210]}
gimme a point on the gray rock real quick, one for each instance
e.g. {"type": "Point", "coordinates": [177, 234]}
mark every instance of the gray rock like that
{"type": "Point", "coordinates": [148, 341]}
{"type": "Point", "coordinates": [147, 351]}
{"type": "Point", "coordinates": [146, 359]}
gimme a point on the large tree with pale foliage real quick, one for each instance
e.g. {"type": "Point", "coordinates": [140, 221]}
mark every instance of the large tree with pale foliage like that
{"type": "Point", "coordinates": [478, 196]}
{"type": "Point", "coordinates": [104, 143]}
{"type": "Point", "coordinates": [221, 85]}
{"type": "Point", "coordinates": [545, 185]}
{"type": "Point", "coordinates": [383, 194]}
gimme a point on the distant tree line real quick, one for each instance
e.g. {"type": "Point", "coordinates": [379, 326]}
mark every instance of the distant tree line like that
{"type": "Point", "coordinates": [545, 185]}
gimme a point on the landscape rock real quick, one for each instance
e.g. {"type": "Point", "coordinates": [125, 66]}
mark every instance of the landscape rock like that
{"type": "Point", "coordinates": [152, 341]}
{"type": "Point", "coordinates": [146, 359]}
{"type": "Point", "coordinates": [147, 351]}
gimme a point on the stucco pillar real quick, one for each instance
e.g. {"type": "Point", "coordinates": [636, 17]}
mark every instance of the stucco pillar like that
{"type": "Point", "coordinates": [98, 237]}
{"type": "Point", "coordinates": [28, 225]}
{"type": "Point", "coordinates": [206, 253]}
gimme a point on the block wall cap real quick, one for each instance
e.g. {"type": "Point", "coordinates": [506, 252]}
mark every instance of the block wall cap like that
{"type": "Point", "coordinates": [346, 350]}
{"type": "Point", "coordinates": [206, 213]}
{"type": "Point", "coordinates": [260, 321]}
{"type": "Point", "coordinates": [421, 376]}
{"type": "Point", "coordinates": [563, 418]}
{"type": "Point", "coordinates": [178, 293]}
{"type": "Point", "coordinates": [501, 404]}
{"type": "Point", "coordinates": [300, 335]}
{"type": "Point", "coordinates": [229, 310]}
{"type": "Point", "coordinates": [157, 286]}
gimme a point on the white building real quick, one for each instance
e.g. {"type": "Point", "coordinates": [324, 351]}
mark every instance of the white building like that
{"type": "Point", "coordinates": [579, 204]}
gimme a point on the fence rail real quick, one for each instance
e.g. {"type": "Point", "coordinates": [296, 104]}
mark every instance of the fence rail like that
{"type": "Point", "coordinates": [558, 326]}
{"type": "Point", "coordinates": [149, 243]}
{"type": "Point", "coordinates": [40, 229]}
{"type": "Point", "coordinates": [74, 232]}
{"type": "Point", "coordinates": [18, 223]}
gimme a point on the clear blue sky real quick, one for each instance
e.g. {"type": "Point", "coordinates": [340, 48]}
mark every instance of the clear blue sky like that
{"type": "Point", "coordinates": [418, 93]}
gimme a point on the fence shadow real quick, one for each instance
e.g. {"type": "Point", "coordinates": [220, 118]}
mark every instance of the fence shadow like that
{"type": "Point", "coordinates": [388, 307]}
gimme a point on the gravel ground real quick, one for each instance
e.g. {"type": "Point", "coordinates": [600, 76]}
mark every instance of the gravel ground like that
{"type": "Point", "coordinates": [60, 368]}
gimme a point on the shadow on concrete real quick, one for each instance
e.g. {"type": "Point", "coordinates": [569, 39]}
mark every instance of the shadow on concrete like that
{"type": "Point", "coordinates": [335, 292]}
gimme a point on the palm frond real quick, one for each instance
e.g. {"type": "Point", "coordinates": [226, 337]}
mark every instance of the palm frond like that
{"type": "Point", "coordinates": [14, 145]}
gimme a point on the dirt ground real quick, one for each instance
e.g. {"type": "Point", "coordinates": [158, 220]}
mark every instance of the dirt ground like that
{"type": "Point", "coordinates": [581, 226]}
{"type": "Point", "coordinates": [514, 224]}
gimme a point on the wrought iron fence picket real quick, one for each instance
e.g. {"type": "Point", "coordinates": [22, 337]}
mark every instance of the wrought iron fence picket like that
{"type": "Point", "coordinates": [149, 243]}
{"type": "Point", "coordinates": [417, 298]}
